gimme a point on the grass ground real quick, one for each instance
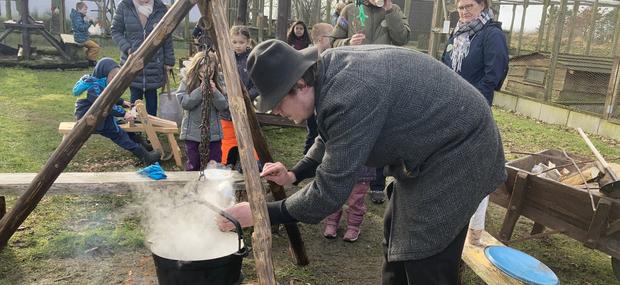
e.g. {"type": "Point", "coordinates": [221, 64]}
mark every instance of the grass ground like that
{"type": "Point", "coordinates": [98, 239]}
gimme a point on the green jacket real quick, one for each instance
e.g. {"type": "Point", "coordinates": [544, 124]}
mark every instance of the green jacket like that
{"type": "Point", "coordinates": [381, 27]}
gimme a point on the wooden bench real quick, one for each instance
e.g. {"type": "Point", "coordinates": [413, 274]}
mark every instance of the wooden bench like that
{"type": "Point", "coordinates": [150, 125]}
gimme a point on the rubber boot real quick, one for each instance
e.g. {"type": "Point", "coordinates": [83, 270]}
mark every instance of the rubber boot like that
{"type": "Point", "coordinates": [148, 157]}
{"type": "Point", "coordinates": [356, 211]}
{"type": "Point", "coordinates": [139, 139]}
{"type": "Point", "coordinates": [331, 225]}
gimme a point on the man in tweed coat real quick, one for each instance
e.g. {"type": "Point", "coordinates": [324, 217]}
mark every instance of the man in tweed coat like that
{"type": "Point", "coordinates": [432, 129]}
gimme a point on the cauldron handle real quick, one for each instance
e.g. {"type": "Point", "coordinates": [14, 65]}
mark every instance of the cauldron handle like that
{"type": "Point", "coordinates": [242, 251]}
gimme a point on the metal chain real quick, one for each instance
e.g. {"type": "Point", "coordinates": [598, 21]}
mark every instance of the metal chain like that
{"type": "Point", "coordinates": [207, 101]}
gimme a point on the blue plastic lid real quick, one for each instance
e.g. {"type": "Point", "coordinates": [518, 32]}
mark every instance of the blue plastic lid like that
{"type": "Point", "coordinates": [520, 265]}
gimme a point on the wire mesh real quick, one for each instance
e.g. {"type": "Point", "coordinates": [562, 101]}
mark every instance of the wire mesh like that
{"type": "Point", "coordinates": [582, 74]}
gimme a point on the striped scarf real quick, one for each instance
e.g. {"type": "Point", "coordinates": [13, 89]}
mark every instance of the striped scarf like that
{"type": "Point", "coordinates": [462, 37]}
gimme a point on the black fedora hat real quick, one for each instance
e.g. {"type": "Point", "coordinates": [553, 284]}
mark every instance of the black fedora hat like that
{"type": "Point", "coordinates": [274, 67]}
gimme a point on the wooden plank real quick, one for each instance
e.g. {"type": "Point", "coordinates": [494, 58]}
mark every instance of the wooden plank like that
{"type": "Point", "coordinates": [514, 206]}
{"type": "Point", "coordinates": [176, 151]}
{"type": "Point", "coordinates": [67, 149]}
{"type": "Point", "coordinates": [148, 128]}
{"type": "Point", "coordinates": [99, 183]}
{"type": "Point", "coordinates": [475, 258]}
{"type": "Point", "coordinates": [261, 238]}
{"type": "Point", "coordinates": [599, 223]}
{"type": "Point", "coordinates": [66, 127]}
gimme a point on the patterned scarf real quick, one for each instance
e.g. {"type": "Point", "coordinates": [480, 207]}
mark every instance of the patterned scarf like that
{"type": "Point", "coordinates": [144, 10]}
{"type": "Point", "coordinates": [462, 37]}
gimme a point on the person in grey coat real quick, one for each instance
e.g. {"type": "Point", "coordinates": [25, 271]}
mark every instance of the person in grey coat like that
{"type": "Point", "coordinates": [133, 21]}
{"type": "Point", "coordinates": [191, 102]}
{"type": "Point", "coordinates": [429, 127]}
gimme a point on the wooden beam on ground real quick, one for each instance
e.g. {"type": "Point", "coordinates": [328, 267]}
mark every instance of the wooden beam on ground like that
{"type": "Point", "coordinates": [98, 183]}
{"type": "Point", "coordinates": [261, 238]}
{"type": "Point", "coordinates": [475, 258]}
{"type": "Point", "coordinates": [98, 112]}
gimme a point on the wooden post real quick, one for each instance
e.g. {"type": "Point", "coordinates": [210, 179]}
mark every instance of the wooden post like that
{"type": "Point", "coordinates": [512, 25]}
{"type": "Point", "coordinates": [328, 12]}
{"type": "Point", "coordinates": [543, 24]}
{"type": "Point", "coordinates": [24, 15]}
{"type": "Point", "coordinates": [616, 34]}
{"type": "Point", "coordinates": [614, 85]}
{"type": "Point", "coordinates": [9, 12]}
{"type": "Point", "coordinates": [548, 32]}
{"type": "Point", "coordinates": [433, 39]}
{"type": "Point", "coordinates": [513, 211]}
{"type": "Point", "coordinates": [598, 224]}
{"type": "Point", "coordinates": [270, 18]}
{"type": "Point", "coordinates": [316, 13]}
{"type": "Point", "coordinates": [555, 52]}
{"type": "Point", "coordinates": [284, 10]}
{"type": "Point", "coordinates": [242, 12]}
{"type": "Point", "coordinates": [260, 24]}
{"type": "Point", "coordinates": [63, 16]}
{"type": "Point", "coordinates": [407, 9]}
{"type": "Point", "coordinates": [525, 5]}
{"type": "Point", "coordinates": [254, 11]}
{"type": "Point", "coordinates": [261, 238]}
{"type": "Point", "coordinates": [84, 127]}
{"type": "Point", "coordinates": [571, 29]}
{"type": "Point", "coordinates": [592, 27]}
{"type": "Point", "coordinates": [187, 36]}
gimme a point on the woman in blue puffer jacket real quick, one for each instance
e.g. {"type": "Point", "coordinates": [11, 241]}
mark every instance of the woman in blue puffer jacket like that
{"type": "Point", "coordinates": [133, 21]}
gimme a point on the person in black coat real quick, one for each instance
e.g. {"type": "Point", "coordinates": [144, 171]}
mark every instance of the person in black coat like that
{"type": "Point", "coordinates": [133, 21]}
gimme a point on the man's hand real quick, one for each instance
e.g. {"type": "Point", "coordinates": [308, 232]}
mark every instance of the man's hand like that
{"type": "Point", "coordinates": [357, 39]}
{"type": "Point", "coordinates": [241, 212]}
{"type": "Point", "coordinates": [126, 104]}
{"type": "Point", "coordinates": [278, 173]}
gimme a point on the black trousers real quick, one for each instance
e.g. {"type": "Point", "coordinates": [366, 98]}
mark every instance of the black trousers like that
{"type": "Point", "coordinates": [439, 269]}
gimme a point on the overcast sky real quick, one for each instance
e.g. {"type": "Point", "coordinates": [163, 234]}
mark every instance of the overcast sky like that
{"type": "Point", "coordinates": [532, 19]}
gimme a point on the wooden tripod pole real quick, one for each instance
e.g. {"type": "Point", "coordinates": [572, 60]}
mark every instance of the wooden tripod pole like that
{"type": "Point", "coordinates": [261, 238]}
{"type": "Point", "coordinates": [84, 127]}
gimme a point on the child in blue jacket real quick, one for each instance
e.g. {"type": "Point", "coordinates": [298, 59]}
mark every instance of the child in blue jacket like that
{"type": "Point", "coordinates": [94, 84]}
{"type": "Point", "coordinates": [79, 24]}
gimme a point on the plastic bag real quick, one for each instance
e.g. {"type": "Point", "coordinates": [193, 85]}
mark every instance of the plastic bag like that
{"type": "Point", "coordinates": [169, 107]}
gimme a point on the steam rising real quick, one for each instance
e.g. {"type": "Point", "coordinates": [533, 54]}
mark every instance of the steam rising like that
{"type": "Point", "coordinates": [180, 226]}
